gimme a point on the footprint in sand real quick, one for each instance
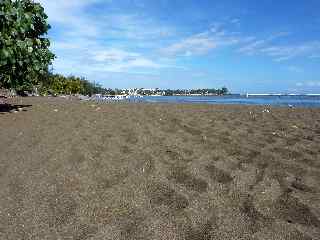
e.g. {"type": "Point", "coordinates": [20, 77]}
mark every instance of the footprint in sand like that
{"type": "Point", "coordinates": [175, 156]}
{"type": "Point", "coordinates": [162, 194]}
{"type": "Point", "coordinates": [62, 208]}
{"type": "Point", "coordinates": [84, 231]}
{"type": "Point", "coordinates": [289, 208]}
{"type": "Point", "coordinates": [202, 232]}
{"type": "Point", "coordinates": [106, 182]}
{"type": "Point", "coordinates": [130, 136]}
{"type": "Point", "coordinates": [76, 156]}
{"type": "Point", "coordinates": [181, 176]}
{"type": "Point", "coordinates": [219, 175]}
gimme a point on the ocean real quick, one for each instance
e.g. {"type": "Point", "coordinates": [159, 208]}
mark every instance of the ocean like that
{"type": "Point", "coordinates": [285, 101]}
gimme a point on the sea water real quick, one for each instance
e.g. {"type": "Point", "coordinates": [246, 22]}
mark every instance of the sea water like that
{"type": "Point", "coordinates": [287, 101]}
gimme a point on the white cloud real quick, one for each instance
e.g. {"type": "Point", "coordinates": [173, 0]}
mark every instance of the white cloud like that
{"type": "Point", "coordinates": [89, 43]}
{"type": "Point", "coordinates": [113, 55]}
{"type": "Point", "coordinates": [235, 21]}
{"type": "Point", "coordinates": [129, 66]}
{"type": "Point", "coordinates": [279, 52]}
{"type": "Point", "coordinates": [219, 36]}
{"type": "Point", "coordinates": [199, 74]}
{"type": "Point", "coordinates": [311, 84]}
{"type": "Point", "coordinates": [78, 21]}
{"type": "Point", "coordinates": [314, 56]}
{"type": "Point", "coordinates": [71, 14]}
{"type": "Point", "coordinates": [89, 57]}
{"type": "Point", "coordinates": [295, 69]}
{"type": "Point", "coordinates": [137, 66]}
{"type": "Point", "coordinates": [144, 63]}
{"type": "Point", "coordinates": [119, 60]}
{"type": "Point", "coordinates": [136, 28]}
{"type": "Point", "coordinates": [251, 48]}
{"type": "Point", "coordinates": [195, 45]}
{"type": "Point", "coordinates": [203, 43]}
{"type": "Point", "coordinates": [62, 11]}
{"type": "Point", "coordinates": [256, 45]}
{"type": "Point", "coordinates": [283, 53]}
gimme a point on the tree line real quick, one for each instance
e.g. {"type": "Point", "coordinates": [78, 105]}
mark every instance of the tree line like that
{"type": "Point", "coordinates": [57, 84]}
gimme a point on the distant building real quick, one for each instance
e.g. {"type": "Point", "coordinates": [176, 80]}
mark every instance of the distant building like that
{"type": "Point", "coordinates": [149, 89]}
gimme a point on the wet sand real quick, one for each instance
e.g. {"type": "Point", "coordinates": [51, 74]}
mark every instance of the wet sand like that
{"type": "Point", "coordinates": [72, 170]}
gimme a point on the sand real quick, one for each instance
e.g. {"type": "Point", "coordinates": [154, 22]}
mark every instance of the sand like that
{"type": "Point", "coordinates": [74, 170]}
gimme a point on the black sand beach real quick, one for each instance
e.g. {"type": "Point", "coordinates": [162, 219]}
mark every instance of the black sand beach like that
{"type": "Point", "coordinates": [73, 170]}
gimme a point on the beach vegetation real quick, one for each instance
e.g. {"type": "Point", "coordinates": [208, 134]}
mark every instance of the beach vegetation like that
{"type": "Point", "coordinates": [24, 48]}
{"type": "Point", "coordinates": [57, 84]}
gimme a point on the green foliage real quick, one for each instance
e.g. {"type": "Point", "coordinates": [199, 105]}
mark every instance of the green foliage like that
{"type": "Point", "coordinates": [224, 91]}
{"type": "Point", "coordinates": [24, 51]}
{"type": "Point", "coordinates": [58, 84]}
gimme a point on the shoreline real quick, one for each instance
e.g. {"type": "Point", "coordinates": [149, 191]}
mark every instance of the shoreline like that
{"type": "Point", "coordinates": [74, 99]}
{"type": "Point", "coordinates": [301, 101]}
{"type": "Point", "coordinates": [72, 169]}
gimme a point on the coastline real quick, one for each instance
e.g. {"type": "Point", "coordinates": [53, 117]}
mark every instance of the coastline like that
{"type": "Point", "coordinates": [158, 171]}
{"type": "Point", "coordinates": [301, 101]}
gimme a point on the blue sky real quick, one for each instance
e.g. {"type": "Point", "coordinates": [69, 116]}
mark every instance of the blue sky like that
{"type": "Point", "coordinates": [246, 45]}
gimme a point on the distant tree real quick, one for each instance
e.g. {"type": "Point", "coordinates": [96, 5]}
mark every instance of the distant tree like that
{"type": "Point", "coordinates": [24, 51]}
{"type": "Point", "coordinates": [224, 91]}
{"type": "Point", "coordinates": [140, 92]}
{"type": "Point", "coordinates": [169, 92]}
